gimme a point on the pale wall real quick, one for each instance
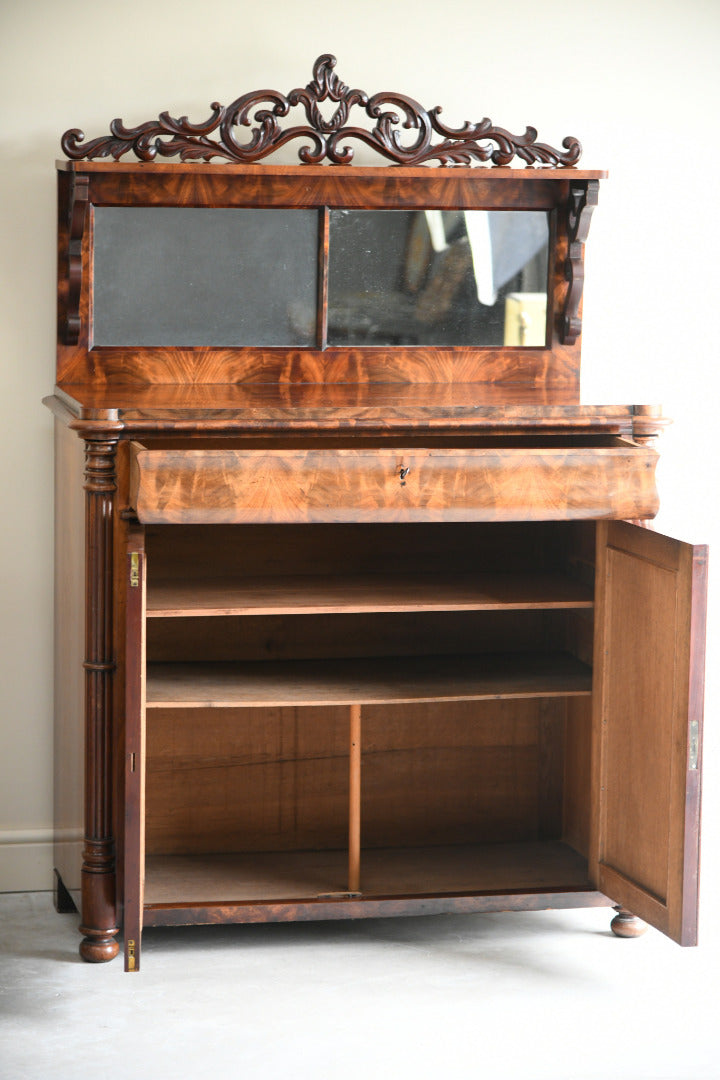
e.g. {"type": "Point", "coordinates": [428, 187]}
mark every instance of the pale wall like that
{"type": "Point", "coordinates": [636, 81]}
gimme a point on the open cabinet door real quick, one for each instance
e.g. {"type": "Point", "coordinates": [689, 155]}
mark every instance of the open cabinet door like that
{"type": "Point", "coordinates": [134, 849]}
{"type": "Point", "coordinates": [647, 721]}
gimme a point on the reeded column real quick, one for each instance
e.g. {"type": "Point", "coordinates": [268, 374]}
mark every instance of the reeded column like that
{"type": "Point", "coordinates": [98, 869]}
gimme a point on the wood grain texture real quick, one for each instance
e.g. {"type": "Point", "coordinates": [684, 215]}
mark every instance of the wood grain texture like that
{"type": "Point", "coordinates": [469, 772]}
{"type": "Point", "coordinates": [627, 925]}
{"type": "Point", "coordinates": [359, 410]}
{"type": "Point", "coordinates": [430, 364]}
{"type": "Point", "coordinates": [311, 594]}
{"type": "Point", "coordinates": [185, 553]}
{"type": "Point", "coordinates": [271, 779]}
{"type": "Point", "coordinates": [341, 682]}
{"type": "Point", "coordinates": [307, 187]}
{"type": "Point", "coordinates": [69, 683]}
{"type": "Point", "coordinates": [99, 914]}
{"type": "Point", "coordinates": [77, 215]}
{"type": "Point", "coordinates": [504, 484]}
{"type": "Point", "coordinates": [355, 799]}
{"type": "Point", "coordinates": [277, 779]}
{"type": "Point", "coordinates": [577, 746]}
{"type": "Point", "coordinates": [581, 203]}
{"type": "Point", "coordinates": [352, 637]}
{"type": "Point", "coordinates": [179, 914]}
{"type": "Point", "coordinates": [646, 785]}
{"type": "Point", "coordinates": [429, 871]}
{"type": "Point", "coordinates": [370, 581]}
{"type": "Point", "coordinates": [372, 187]}
{"type": "Point", "coordinates": [201, 404]}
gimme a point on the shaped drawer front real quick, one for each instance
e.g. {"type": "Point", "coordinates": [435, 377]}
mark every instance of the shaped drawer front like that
{"type": "Point", "coordinates": [499, 483]}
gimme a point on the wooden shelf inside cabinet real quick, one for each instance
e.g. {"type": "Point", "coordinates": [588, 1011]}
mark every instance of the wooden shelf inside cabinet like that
{"type": "Point", "coordinates": [309, 594]}
{"type": "Point", "coordinates": [368, 681]}
{"type": "Point", "coordinates": [283, 876]}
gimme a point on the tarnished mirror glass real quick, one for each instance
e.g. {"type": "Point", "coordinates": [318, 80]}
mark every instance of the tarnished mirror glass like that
{"type": "Point", "coordinates": [186, 276]}
{"type": "Point", "coordinates": [432, 277]}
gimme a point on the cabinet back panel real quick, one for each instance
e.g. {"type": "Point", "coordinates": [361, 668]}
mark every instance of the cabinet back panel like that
{"type": "Point", "coordinates": [576, 801]}
{"type": "Point", "coordinates": [452, 774]}
{"type": "Point", "coordinates": [263, 550]}
{"type": "Point", "coordinates": [277, 779]}
{"type": "Point", "coordinates": [246, 780]}
{"type": "Point", "coordinates": [286, 637]}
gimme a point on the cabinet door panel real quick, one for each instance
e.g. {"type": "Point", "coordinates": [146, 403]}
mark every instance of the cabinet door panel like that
{"type": "Point", "coordinates": [649, 663]}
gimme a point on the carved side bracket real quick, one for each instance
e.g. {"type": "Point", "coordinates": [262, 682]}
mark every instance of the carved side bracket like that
{"type": "Point", "coordinates": [77, 216]}
{"type": "Point", "coordinates": [470, 143]}
{"type": "Point", "coordinates": [581, 203]}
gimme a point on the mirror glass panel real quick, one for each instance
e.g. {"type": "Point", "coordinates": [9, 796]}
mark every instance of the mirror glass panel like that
{"type": "Point", "coordinates": [436, 277]}
{"type": "Point", "coordinates": [186, 276]}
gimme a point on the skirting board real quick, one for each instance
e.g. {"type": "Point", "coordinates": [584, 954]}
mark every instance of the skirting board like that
{"type": "Point", "coordinates": [26, 860]}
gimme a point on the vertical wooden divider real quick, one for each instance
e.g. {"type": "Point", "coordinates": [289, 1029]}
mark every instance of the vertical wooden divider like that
{"type": "Point", "coordinates": [354, 815]}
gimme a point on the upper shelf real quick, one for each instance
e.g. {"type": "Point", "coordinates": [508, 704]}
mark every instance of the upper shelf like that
{"type": "Point", "coordinates": [322, 173]}
{"type": "Point", "coordinates": [314, 595]}
{"type": "Point", "coordinates": [367, 681]}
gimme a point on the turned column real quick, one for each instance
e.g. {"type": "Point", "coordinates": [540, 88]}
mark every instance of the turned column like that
{"type": "Point", "coordinates": [98, 867]}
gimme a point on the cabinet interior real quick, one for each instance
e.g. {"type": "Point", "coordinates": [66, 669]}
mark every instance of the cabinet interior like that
{"type": "Point", "coordinates": [466, 651]}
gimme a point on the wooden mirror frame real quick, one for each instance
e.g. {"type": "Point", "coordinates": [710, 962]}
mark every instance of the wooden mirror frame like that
{"type": "Point", "coordinates": [559, 188]}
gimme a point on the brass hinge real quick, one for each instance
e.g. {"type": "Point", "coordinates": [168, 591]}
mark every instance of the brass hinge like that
{"type": "Point", "coordinates": [134, 570]}
{"type": "Point", "coordinates": [131, 955]}
{"type": "Point", "coordinates": [694, 744]}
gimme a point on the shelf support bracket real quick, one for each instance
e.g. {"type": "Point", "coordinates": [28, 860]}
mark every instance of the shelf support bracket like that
{"type": "Point", "coordinates": [582, 201]}
{"type": "Point", "coordinates": [77, 217]}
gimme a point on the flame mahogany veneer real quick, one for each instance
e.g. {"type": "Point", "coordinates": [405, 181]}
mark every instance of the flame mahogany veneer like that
{"type": "Point", "coordinates": [358, 631]}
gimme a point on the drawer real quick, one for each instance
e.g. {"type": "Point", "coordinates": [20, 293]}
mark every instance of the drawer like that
{"type": "Point", "coordinates": [563, 480]}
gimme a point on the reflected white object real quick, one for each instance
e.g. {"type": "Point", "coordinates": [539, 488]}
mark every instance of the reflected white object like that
{"type": "Point", "coordinates": [525, 318]}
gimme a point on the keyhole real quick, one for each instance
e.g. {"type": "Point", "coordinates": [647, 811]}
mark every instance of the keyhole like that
{"type": "Point", "coordinates": [403, 473]}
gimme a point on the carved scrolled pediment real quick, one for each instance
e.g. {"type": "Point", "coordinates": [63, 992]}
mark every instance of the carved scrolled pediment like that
{"type": "Point", "coordinates": [403, 132]}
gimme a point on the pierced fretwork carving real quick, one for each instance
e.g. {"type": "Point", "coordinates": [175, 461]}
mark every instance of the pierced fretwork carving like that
{"type": "Point", "coordinates": [581, 203]}
{"type": "Point", "coordinates": [470, 143]}
{"type": "Point", "coordinates": [76, 228]}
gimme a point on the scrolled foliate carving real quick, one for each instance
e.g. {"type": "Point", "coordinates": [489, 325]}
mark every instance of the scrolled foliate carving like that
{"type": "Point", "coordinates": [329, 139]}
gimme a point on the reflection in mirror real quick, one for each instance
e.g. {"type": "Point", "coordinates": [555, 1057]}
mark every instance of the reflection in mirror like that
{"type": "Point", "coordinates": [437, 277]}
{"type": "Point", "coordinates": [187, 276]}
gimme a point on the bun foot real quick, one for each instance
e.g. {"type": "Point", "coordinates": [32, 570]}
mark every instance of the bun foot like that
{"type": "Point", "coordinates": [98, 948]}
{"type": "Point", "coordinates": [627, 925]}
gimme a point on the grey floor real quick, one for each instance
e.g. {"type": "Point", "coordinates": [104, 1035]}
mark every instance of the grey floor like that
{"type": "Point", "coordinates": [533, 995]}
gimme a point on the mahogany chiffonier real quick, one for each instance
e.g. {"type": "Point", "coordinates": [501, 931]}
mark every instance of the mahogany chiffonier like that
{"type": "Point", "coordinates": [356, 611]}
